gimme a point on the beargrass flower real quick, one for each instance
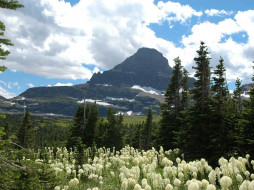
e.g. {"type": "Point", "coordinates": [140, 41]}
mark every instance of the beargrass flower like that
{"type": "Point", "coordinates": [239, 178]}
{"type": "Point", "coordinates": [74, 182]}
{"type": "Point", "coordinates": [177, 182]}
{"type": "Point", "coordinates": [57, 188]}
{"type": "Point", "coordinates": [193, 186]}
{"type": "Point", "coordinates": [169, 187]}
{"type": "Point", "coordinates": [137, 187]}
{"type": "Point", "coordinates": [211, 187]}
{"type": "Point", "coordinates": [204, 183]}
{"type": "Point", "coordinates": [225, 182]}
{"type": "Point", "coordinates": [245, 185]}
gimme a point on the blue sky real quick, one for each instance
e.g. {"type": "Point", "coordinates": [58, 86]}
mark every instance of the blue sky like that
{"type": "Point", "coordinates": [65, 42]}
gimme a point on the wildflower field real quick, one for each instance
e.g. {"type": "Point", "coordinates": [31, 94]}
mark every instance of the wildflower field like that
{"type": "Point", "coordinates": [130, 169]}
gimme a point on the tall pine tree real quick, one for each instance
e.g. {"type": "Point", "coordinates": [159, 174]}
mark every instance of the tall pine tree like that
{"type": "Point", "coordinates": [76, 129]}
{"type": "Point", "coordinates": [223, 135]}
{"type": "Point", "coordinates": [170, 110]}
{"type": "Point", "coordinates": [90, 126]}
{"type": "Point", "coordinates": [113, 132]}
{"type": "Point", "coordinates": [185, 99]}
{"type": "Point", "coordinates": [25, 132]}
{"type": "Point", "coordinates": [148, 129]}
{"type": "Point", "coordinates": [238, 95]}
{"type": "Point", "coordinates": [247, 124]}
{"type": "Point", "coordinates": [199, 121]}
{"type": "Point", "coordinates": [220, 86]}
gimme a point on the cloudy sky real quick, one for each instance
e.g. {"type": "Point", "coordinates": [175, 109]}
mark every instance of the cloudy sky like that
{"type": "Point", "coordinates": [63, 42]}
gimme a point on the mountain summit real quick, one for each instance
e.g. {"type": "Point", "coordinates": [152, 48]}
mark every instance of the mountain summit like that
{"type": "Point", "coordinates": [147, 67]}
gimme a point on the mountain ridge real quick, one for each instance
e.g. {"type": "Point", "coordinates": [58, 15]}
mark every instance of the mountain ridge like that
{"type": "Point", "coordinates": [112, 88]}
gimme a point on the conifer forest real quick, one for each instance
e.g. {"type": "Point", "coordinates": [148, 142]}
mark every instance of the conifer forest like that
{"type": "Point", "coordinates": [203, 139]}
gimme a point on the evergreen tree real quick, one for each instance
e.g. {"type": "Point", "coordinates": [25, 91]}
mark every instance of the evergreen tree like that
{"type": "Point", "coordinates": [201, 90]}
{"type": "Point", "coordinates": [6, 131]}
{"type": "Point", "coordinates": [147, 130]}
{"type": "Point", "coordinates": [172, 95]}
{"type": "Point", "coordinates": [247, 124]}
{"type": "Point", "coordinates": [25, 131]}
{"type": "Point", "coordinates": [170, 110]}
{"type": "Point", "coordinates": [199, 122]}
{"type": "Point", "coordinates": [6, 42]}
{"type": "Point", "coordinates": [220, 86]}
{"type": "Point", "coordinates": [79, 152]}
{"type": "Point", "coordinates": [113, 132]}
{"type": "Point", "coordinates": [137, 137]}
{"type": "Point", "coordinates": [129, 134]}
{"type": "Point", "coordinates": [222, 135]}
{"type": "Point", "coordinates": [90, 126]}
{"type": "Point", "coordinates": [100, 132]}
{"type": "Point", "coordinates": [185, 91]}
{"type": "Point", "coordinates": [237, 95]}
{"type": "Point", "coordinates": [76, 128]}
{"type": "Point", "coordinates": [87, 111]}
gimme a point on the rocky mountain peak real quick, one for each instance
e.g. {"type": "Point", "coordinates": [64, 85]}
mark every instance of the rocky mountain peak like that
{"type": "Point", "coordinates": [147, 67]}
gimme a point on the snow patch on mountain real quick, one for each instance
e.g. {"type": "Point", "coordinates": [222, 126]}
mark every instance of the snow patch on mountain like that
{"type": "Point", "coordinates": [103, 84]}
{"type": "Point", "coordinates": [149, 90]}
{"type": "Point", "coordinates": [129, 113]}
{"type": "Point", "coordinates": [98, 102]}
{"type": "Point", "coordinates": [120, 99]}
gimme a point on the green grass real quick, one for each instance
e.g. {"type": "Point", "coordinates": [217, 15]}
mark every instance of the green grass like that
{"type": "Point", "coordinates": [138, 119]}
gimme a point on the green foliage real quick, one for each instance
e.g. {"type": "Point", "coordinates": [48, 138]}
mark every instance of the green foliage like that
{"type": "Point", "coordinates": [185, 99]}
{"type": "Point", "coordinates": [79, 151]}
{"type": "Point", "coordinates": [13, 4]}
{"type": "Point", "coordinates": [90, 125]}
{"type": "Point", "coordinates": [19, 170]}
{"type": "Point", "coordinates": [237, 95]}
{"type": "Point", "coordinates": [220, 85]}
{"type": "Point", "coordinates": [147, 130]}
{"type": "Point", "coordinates": [25, 132]}
{"type": "Point", "coordinates": [247, 122]}
{"type": "Point", "coordinates": [76, 130]}
{"type": "Point", "coordinates": [137, 119]}
{"type": "Point", "coordinates": [113, 130]}
{"type": "Point", "coordinates": [201, 90]}
{"type": "Point", "coordinates": [175, 102]}
{"type": "Point", "coordinates": [198, 121]}
{"type": "Point", "coordinates": [224, 114]}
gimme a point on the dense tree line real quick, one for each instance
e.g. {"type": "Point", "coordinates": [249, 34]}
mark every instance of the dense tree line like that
{"type": "Point", "coordinates": [206, 121]}
{"type": "Point", "coordinates": [109, 132]}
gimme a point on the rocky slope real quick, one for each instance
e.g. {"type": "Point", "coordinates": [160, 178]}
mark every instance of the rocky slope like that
{"type": "Point", "coordinates": [147, 67]}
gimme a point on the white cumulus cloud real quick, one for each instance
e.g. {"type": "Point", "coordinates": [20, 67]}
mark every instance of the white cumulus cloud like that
{"type": "Point", "coordinates": [238, 56]}
{"type": "Point", "coordinates": [53, 39]}
{"type": "Point", "coordinates": [216, 12]}
{"type": "Point", "coordinates": [6, 94]}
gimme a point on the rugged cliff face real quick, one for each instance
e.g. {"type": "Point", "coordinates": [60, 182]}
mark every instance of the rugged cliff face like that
{"type": "Point", "coordinates": [147, 67]}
